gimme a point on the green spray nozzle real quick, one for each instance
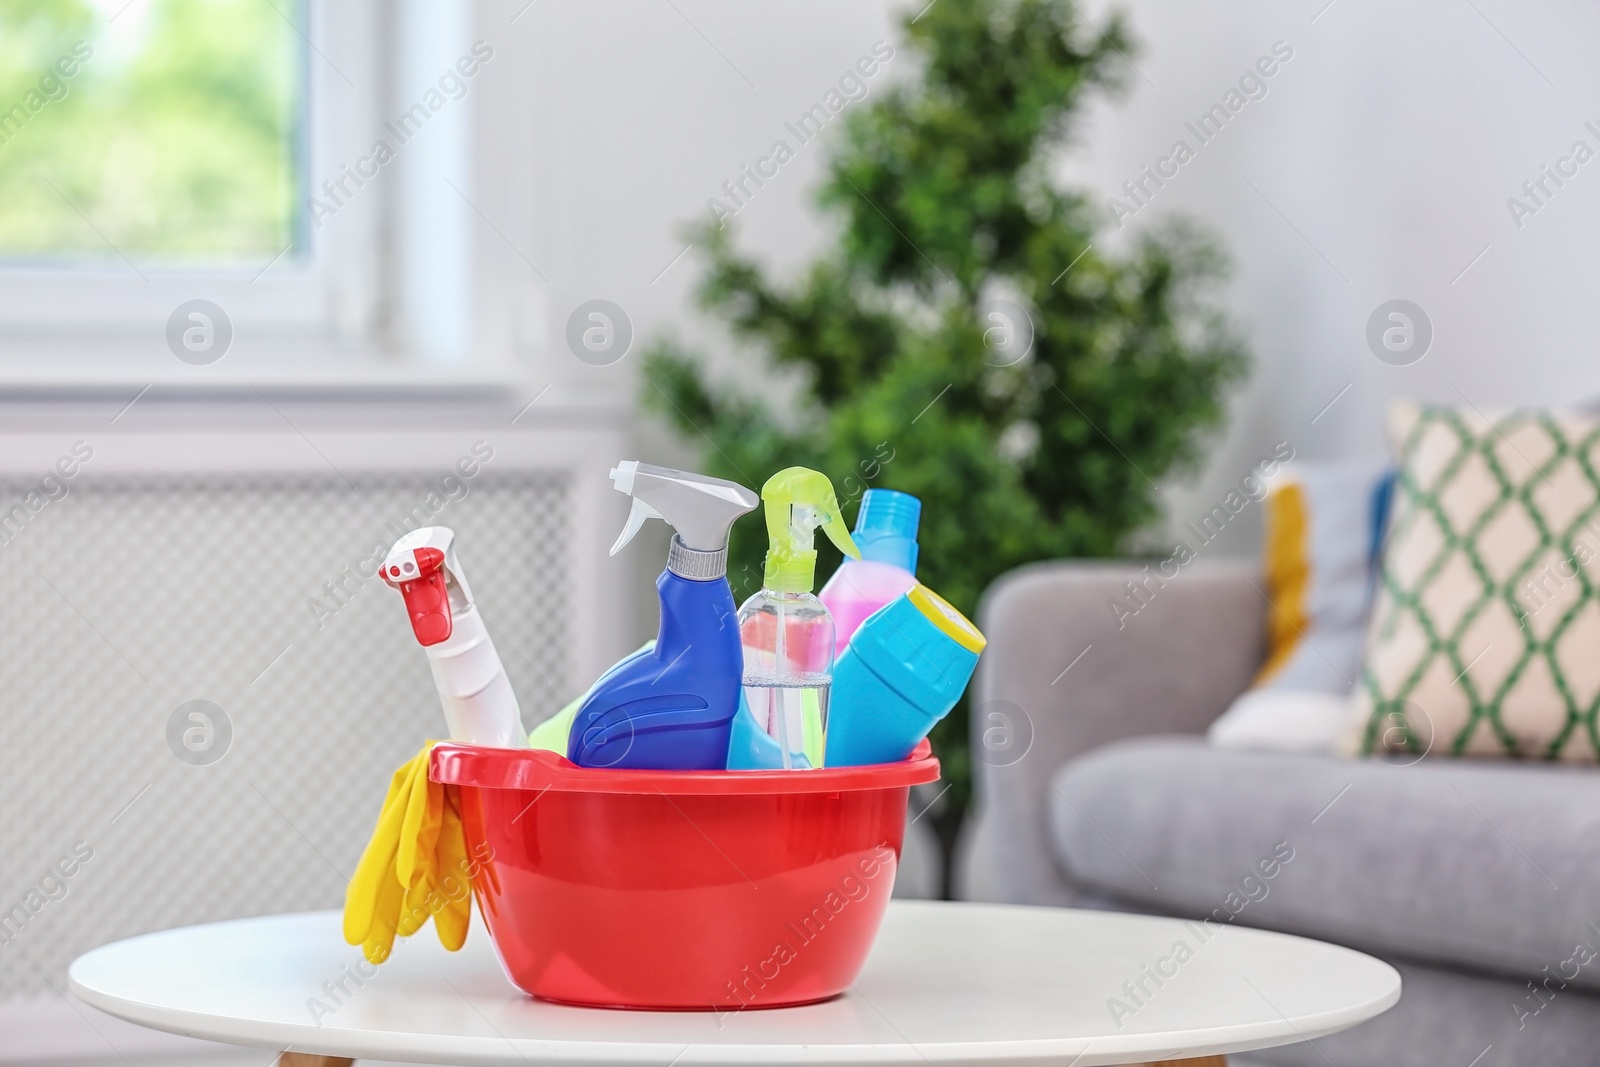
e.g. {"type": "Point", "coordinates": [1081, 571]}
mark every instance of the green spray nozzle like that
{"type": "Point", "coordinates": [797, 500]}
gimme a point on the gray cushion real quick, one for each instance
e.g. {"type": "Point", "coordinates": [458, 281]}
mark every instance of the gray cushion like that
{"type": "Point", "coordinates": [1486, 864]}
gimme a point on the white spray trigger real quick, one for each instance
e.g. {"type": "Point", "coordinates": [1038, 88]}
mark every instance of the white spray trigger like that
{"type": "Point", "coordinates": [698, 507]}
{"type": "Point", "coordinates": [636, 516]}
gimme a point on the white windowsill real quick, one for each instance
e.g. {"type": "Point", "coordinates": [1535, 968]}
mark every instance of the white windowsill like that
{"type": "Point", "coordinates": [146, 361]}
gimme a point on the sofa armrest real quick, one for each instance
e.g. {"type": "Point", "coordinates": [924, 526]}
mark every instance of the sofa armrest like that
{"type": "Point", "coordinates": [1064, 674]}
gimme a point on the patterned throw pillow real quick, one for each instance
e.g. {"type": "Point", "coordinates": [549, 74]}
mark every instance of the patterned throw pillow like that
{"type": "Point", "coordinates": [1323, 526]}
{"type": "Point", "coordinates": [1485, 637]}
{"type": "Point", "coordinates": [1323, 531]}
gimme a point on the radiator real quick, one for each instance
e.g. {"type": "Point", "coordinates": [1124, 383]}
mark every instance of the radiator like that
{"type": "Point", "coordinates": [214, 561]}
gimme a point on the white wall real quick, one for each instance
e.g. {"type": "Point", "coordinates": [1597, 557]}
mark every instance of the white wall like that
{"type": "Point", "coordinates": [1390, 142]}
{"type": "Point", "coordinates": [638, 111]}
{"type": "Point", "coordinates": [1381, 160]}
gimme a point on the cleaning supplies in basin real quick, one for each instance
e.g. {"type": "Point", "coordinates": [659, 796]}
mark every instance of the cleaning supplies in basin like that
{"type": "Point", "coordinates": [479, 705]}
{"type": "Point", "coordinates": [886, 534]}
{"type": "Point", "coordinates": [718, 689]}
{"type": "Point", "coordinates": [787, 632]}
{"type": "Point", "coordinates": [672, 708]}
{"type": "Point", "coordinates": [902, 672]}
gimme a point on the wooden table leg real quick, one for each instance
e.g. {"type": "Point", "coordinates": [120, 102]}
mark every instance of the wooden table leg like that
{"type": "Point", "coordinates": [302, 1059]}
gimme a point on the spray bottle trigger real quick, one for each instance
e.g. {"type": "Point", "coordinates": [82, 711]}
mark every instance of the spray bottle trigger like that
{"type": "Point", "coordinates": [636, 516]}
{"type": "Point", "coordinates": [833, 525]}
{"type": "Point", "coordinates": [427, 600]}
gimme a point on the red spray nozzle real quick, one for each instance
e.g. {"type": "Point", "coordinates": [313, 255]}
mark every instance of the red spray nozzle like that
{"type": "Point", "coordinates": [427, 601]}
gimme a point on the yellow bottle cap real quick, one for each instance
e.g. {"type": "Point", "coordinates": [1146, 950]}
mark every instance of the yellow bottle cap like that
{"type": "Point", "coordinates": [950, 622]}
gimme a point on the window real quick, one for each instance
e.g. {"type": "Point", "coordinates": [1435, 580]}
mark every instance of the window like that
{"type": "Point", "coordinates": [155, 153]}
{"type": "Point", "coordinates": [157, 134]}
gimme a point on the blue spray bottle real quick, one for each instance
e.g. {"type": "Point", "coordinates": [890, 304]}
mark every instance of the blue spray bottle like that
{"type": "Point", "coordinates": [671, 707]}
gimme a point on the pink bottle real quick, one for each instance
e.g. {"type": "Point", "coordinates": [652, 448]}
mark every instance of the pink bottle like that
{"type": "Point", "coordinates": [886, 533]}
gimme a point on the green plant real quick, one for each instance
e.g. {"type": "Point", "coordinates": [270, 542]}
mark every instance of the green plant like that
{"type": "Point", "coordinates": [943, 189]}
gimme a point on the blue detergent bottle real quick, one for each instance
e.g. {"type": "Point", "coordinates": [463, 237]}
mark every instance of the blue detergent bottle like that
{"type": "Point", "coordinates": [901, 673]}
{"type": "Point", "coordinates": [672, 707]}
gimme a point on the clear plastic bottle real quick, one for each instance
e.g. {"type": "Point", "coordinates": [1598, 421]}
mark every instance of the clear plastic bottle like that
{"type": "Point", "coordinates": [788, 671]}
{"type": "Point", "coordinates": [787, 633]}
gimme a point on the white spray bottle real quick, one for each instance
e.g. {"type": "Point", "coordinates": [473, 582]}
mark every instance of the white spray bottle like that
{"type": "Point", "coordinates": [479, 705]}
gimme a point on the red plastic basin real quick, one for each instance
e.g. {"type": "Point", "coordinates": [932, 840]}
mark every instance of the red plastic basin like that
{"type": "Point", "coordinates": [681, 890]}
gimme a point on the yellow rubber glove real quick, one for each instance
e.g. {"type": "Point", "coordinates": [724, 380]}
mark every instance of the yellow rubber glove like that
{"type": "Point", "coordinates": [451, 921]}
{"type": "Point", "coordinates": [419, 831]}
{"type": "Point", "coordinates": [414, 867]}
{"type": "Point", "coordinates": [361, 896]}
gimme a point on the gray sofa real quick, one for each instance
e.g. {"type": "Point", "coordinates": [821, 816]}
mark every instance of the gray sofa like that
{"type": "Point", "coordinates": [1478, 880]}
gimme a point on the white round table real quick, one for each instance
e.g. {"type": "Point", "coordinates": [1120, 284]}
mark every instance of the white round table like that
{"type": "Point", "coordinates": [946, 984]}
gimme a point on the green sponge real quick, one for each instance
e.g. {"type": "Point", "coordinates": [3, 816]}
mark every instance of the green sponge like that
{"type": "Point", "coordinates": [553, 732]}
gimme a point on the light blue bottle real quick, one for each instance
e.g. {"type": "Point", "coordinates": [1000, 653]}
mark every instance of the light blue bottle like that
{"type": "Point", "coordinates": [902, 672]}
{"type": "Point", "coordinates": [751, 748]}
